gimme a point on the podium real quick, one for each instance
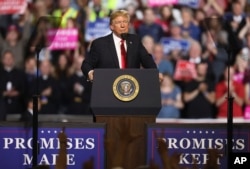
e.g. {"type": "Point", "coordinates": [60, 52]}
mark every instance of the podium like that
{"type": "Point", "coordinates": [131, 94]}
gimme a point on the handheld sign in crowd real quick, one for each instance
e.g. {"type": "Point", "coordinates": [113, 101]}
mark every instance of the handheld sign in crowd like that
{"type": "Point", "coordinates": [97, 29]}
{"type": "Point", "coordinates": [171, 44]}
{"type": "Point", "coordinates": [185, 70]}
{"type": "Point", "coordinates": [12, 6]}
{"type": "Point", "coordinates": [62, 39]}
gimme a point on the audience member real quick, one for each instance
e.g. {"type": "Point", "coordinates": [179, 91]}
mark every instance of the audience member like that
{"type": "Point", "coordinates": [13, 86]}
{"type": "Point", "coordinates": [61, 159]}
{"type": "Point", "coordinates": [15, 42]}
{"type": "Point", "coordinates": [212, 7]}
{"type": "Point", "coordinates": [78, 90]}
{"type": "Point", "coordinates": [214, 43]}
{"type": "Point", "coordinates": [96, 10]}
{"type": "Point", "coordinates": [199, 91]}
{"type": "Point", "coordinates": [175, 33]}
{"type": "Point", "coordinates": [199, 18]}
{"type": "Point", "coordinates": [235, 89]}
{"type": "Point", "coordinates": [134, 21]}
{"type": "Point", "coordinates": [64, 11]}
{"type": "Point", "coordinates": [243, 33]}
{"type": "Point", "coordinates": [149, 26]}
{"type": "Point", "coordinates": [62, 73]}
{"type": "Point", "coordinates": [171, 98]}
{"type": "Point", "coordinates": [30, 69]}
{"type": "Point", "coordinates": [82, 14]}
{"type": "Point", "coordinates": [195, 52]}
{"type": "Point", "coordinates": [189, 29]}
{"type": "Point", "coordinates": [240, 66]}
{"type": "Point", "coordinates": [163, 64]}
{"type": "Point", "coordinates": [246, 83]}
{"type": "Point", "coordinates": [175, 30]}
{"type": "Point", "coordinates": [165, 18]}
{"type": "Point", "coordinates": [168, 161]}
{"type": "Point", "coordinates": [40, 9]}
{"type": "Point", "coordinates": [27, 115]}
{"type": "Point", "coordinates": [47, 88]}
{"type": "Point", "coordinates": [234, 23]}
{"type": "Point", "coordinates": [247, 44]}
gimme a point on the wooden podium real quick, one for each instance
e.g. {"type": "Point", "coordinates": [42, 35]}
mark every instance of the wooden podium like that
{"type": "Point", "coordinates": [111, 104]}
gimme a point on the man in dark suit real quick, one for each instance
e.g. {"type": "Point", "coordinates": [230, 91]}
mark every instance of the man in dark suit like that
{"type": "Point", "coordinates": [13, 92]}
{"type": "Point", "coordinates": [79, 90]}
{"type": "Point", "coordinates": [109, 52]}
{"type": "Point", "coordinates": [105, 52]}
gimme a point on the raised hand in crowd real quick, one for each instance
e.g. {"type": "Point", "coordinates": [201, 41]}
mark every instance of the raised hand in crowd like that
{"type": "Point", "coordinates": [169, 162]}
{"type": "Point", "coordinates": [213, 155]}
{"type": "Point", "coordinates": [61, 160]}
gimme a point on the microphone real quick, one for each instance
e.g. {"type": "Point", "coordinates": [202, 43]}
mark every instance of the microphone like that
{"type": "Point", "coordinates": [124, 36]}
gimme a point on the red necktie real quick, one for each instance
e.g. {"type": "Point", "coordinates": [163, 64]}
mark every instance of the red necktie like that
{"type": "Point", "coordinates": [123, 55]}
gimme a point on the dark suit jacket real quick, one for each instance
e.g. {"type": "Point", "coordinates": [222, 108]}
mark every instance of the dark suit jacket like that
{"type": "Point", "coordinates": [103, 54]}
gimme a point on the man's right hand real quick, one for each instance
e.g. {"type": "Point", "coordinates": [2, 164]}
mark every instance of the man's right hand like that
{"type": "Point", "coordinates": [91, 75]}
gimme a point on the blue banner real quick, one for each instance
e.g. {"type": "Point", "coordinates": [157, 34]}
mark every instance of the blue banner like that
{"type": "Point", "coordinates": [193, 140]}
{"type": "Point", "coordinates": [83, 143]}
{"type": "Point", "coordinates": [97, 29]}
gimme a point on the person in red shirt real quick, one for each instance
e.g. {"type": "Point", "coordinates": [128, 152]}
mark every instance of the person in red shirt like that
{"type": "Point", "coordinates": [236, 90]}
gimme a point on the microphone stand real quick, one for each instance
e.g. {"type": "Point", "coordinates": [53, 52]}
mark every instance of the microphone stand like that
{"type": "Point", "coordinates": [230, 100]}
{"type": "Point", "coordinates": [40, 41]}
{"type": "Point", "coordinates": [35, 98]}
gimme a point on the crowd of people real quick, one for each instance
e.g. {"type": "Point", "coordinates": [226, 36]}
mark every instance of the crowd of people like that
{"type": "Point", "coordinates": [217, 33]}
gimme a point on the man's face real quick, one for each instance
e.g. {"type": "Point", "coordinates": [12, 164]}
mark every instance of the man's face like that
{"type": "Point", "coordinates": [45, 67]}
{"type": "Point", "coordinates": [202, 69]}
{"type": "Point", "coordinates": [64, 3]}
{"type": "Point", "coordinates": [149, 17]}
{"type": "Point", "coordinates": [237, 9]}
{"type": "Point", "coordinates": [8, 60]}
{"type": "Point", "coordinates": [120, 25]}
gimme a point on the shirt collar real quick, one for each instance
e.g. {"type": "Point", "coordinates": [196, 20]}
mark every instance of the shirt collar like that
{"type": "Point", "coordinates": [117, 39]}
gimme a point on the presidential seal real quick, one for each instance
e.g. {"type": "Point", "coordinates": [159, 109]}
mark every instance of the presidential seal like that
{"type": "Point", "coordinates": [125, 88]}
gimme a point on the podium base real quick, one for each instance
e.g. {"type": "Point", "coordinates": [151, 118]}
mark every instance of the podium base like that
{"type": "Point", "coordinates": [136, 151]}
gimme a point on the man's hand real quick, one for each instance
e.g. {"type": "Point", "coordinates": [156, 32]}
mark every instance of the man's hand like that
{"type": "Point", "coordinates": [160, 77]}
{"type": "Point", "coordinates": [203, 87]}
{"type": "Point", "coordinates": [91, 75]}
{"type": "Point", "coordinates": [47, 91]}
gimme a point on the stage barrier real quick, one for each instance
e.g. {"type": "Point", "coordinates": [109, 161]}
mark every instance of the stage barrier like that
{"type": "Point", "coordinates": [191, 138]}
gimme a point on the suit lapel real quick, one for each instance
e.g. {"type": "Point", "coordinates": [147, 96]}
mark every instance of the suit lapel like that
{"type": "Point", "coordinates": [112, 50]}
{"type": "Point", "coordinates": [129, 44]}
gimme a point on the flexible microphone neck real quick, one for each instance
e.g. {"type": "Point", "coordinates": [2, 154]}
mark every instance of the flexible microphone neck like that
{"type": "Point", "coordinates": [124, 36]}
